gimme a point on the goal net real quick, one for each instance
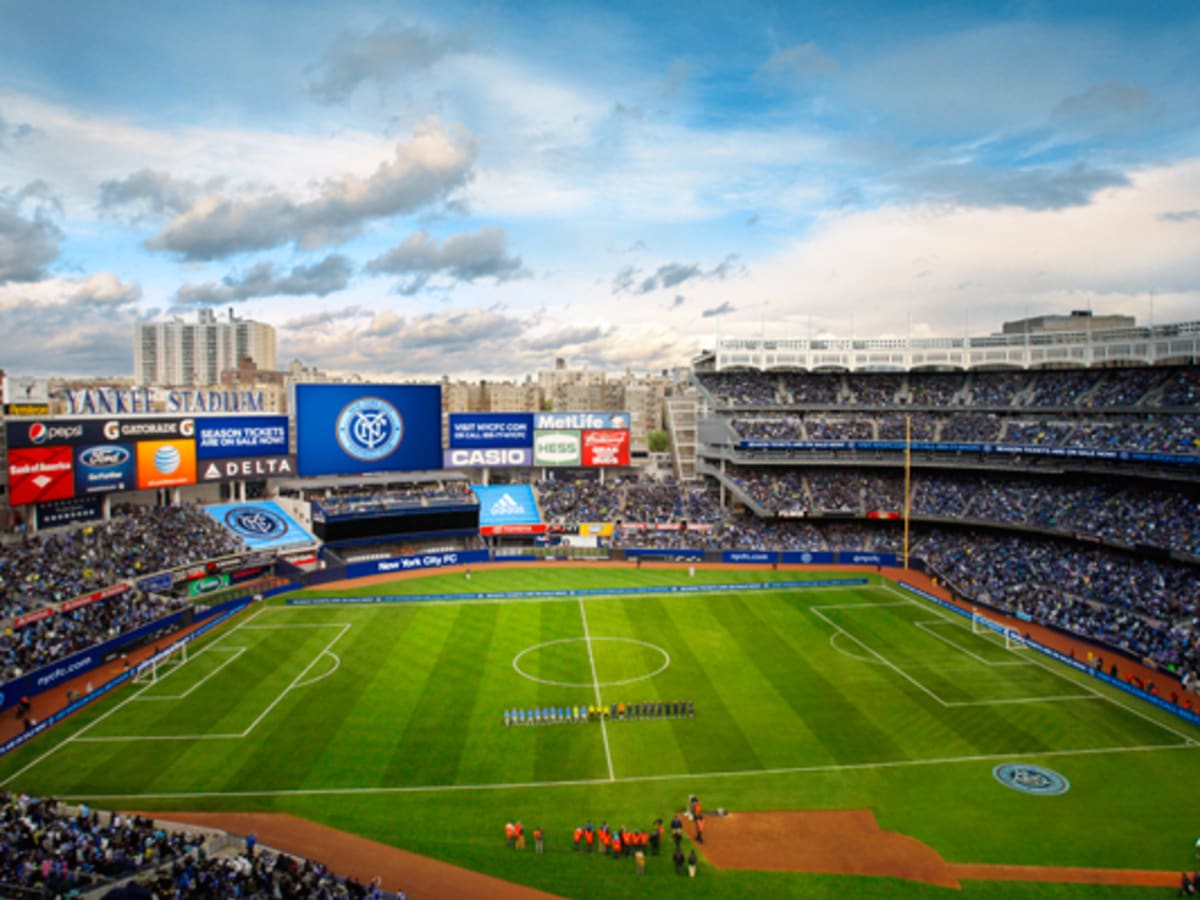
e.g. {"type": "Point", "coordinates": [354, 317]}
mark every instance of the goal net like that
{"type": "Point", "coordinates": [1012, 637]}
{"type": "Point", "coordinates": [161, 665]}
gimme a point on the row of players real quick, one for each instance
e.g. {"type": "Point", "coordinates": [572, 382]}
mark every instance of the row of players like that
{"type": "Point", "coordinates": [551, 715]}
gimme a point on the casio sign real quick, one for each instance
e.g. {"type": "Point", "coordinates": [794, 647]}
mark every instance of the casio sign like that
{"type": "Point", "coordinates": [493, 456]}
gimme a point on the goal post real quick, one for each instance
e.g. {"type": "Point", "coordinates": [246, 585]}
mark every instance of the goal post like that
{"type": "Point", "coordinates": [161, 664]}
{"type": "Point", "coordinates": [980, 624]}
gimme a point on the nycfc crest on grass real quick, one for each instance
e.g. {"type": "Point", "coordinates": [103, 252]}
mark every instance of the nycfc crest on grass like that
{"type": "Point", "coordinates": [1031, 779]}
{"type": "Point", "coordinates": [369, 429]}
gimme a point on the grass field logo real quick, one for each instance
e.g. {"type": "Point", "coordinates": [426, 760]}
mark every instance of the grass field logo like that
{"type": "Point", "coordinates": [1031, 779]}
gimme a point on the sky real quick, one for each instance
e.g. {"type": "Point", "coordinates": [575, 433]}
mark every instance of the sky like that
{"type": "Point", "coordinates": [477, 189]}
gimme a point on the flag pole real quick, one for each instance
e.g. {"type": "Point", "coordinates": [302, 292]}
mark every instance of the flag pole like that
{"type": "Point", "coordinates": [907, 481]}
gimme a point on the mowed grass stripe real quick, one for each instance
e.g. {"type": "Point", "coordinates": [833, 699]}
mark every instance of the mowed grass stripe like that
{"type": "Point", "coordinates": [703, 657]}
{"type": "Point", "coordinates": [430, 747]}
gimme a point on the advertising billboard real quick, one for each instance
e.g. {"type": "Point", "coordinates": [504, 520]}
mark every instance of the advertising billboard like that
{"type": "Point", "coordinates": [38, 474]}
{"type": "Point", "coordinates": [505, 457]}
{"type": "Point", "coordinates": [483, 430]}
{"type": "Point", "coordinates": [580, 421]}
{"type": "Point", "coordinates": [508, 509]}
{"type": "Point", "coordinates": [252, 468]}
{"type": "Point", "coordinates": [230, 437]}
{"type": "Point", "coordinates": [557, 448]}
{"type": "Point", "coordinates": [349, 429]}
{"type": "Point", "coordinates": [103, 468]}
{"type": "Point", "coordinates": [606, 448]}
{"type": "Point", "coordinates": [45, 432]}
{"type": "Point", "coordinates": [166, 463]}
{"type": "Point", "coordinates": [261, 525]}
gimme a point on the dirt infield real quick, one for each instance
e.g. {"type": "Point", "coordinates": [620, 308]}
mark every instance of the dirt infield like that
{"type": "Point", "coordinates": [420, 877]}
{"type": "Point", "coordinates": [850, 842]}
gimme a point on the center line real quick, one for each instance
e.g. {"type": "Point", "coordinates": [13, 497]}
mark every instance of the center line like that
{"type": "Point", "coordinates": [596, 683]}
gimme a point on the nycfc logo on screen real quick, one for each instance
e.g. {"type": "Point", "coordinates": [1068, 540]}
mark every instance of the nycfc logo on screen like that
{"type": "Point", "coordinates": [369, 429]}
{"type": "Point", "coordinates": [1031, 779]}
{"type": "Point", "coordinates": [256, 523]}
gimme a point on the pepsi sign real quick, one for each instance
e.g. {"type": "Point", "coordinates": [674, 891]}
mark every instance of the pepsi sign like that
{"type": "Point", "coordinates": [348, 429]}
{"type": "Point", "coordinates": [105, 468]}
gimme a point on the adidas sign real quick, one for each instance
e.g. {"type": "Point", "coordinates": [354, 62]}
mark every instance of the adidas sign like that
{"type": "Point", "coordinates": [506, 506]}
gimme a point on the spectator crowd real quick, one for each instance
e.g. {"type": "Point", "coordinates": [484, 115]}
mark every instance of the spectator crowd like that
{"type": "Point", "coordinates": [49, 850]}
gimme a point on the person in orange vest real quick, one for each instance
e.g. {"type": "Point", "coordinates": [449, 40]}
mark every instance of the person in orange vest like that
{"type": "Point", "coordinates": [578, 837]}
{"type": "Point", "coordinates": [510, 834]}
{"type": "Point", "coordinates": [589, 835]}
{"type": "Point", "coordinates": [538, 846]}
{"type": "Point", "coordinates": [520, 835]}
{"type": "Point", "coordinates": [616, 844]}
{"type": "Point", "coordinates": [699, 828]}
{"type": "Point", "coordinates": [605, 838]}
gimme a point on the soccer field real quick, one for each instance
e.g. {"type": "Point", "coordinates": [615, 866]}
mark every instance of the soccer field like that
{"type": "Point", "coordinates": [386, 719]}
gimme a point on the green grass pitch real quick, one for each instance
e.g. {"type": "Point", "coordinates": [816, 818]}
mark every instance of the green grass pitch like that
{"type": "Point", "coordinates": [386, 720]}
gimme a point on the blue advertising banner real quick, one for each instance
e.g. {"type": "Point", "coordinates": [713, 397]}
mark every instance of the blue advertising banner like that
{"type": "Point", "coordinates": [349, 429]}
{"type": "Point", "coordinates": [229, 437]}
{"type": "Point", "coordinates": [102, 468]}
{"type": "Point", "coordinates": [510, 504]}
{"type": "Point", "coordinates": [864, 558]}
{"type": "Point", "coordinates": [262, 525]}
{"type": "Point", "coordinates": [422, 561]}
{"type": "Point", "coordinates": [806, 558]}
{"type": "Point", "coordinates": [756, 557]}
{"type": "Point", "coordinates": [482, 430]}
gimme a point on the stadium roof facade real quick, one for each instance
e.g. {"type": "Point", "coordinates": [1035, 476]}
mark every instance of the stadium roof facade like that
{"type": "Point", "coordinates": [1074, 348]}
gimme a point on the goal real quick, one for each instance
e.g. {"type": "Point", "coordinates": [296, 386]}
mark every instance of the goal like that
{"type": "Point", "coordinates": [983, 625]}
{"type": "Point", "coordinates": [161, 665]}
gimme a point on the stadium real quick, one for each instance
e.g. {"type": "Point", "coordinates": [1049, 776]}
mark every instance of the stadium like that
{"type": "Point", "coordinates": [892, 620]}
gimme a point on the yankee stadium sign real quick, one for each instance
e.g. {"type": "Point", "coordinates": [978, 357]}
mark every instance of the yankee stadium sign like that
{"type": "Point", "coordinates": [134, 401]}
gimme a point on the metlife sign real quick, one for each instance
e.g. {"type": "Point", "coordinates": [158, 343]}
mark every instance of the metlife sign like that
{"type": "Point", "coordinates": [471, 431]}
{"type": "Point", "coordinates": [350, 429]}
{"type": "Point", "coordinates": [240, 436]}
{"type": "Point", "coordinates": [580, 421]}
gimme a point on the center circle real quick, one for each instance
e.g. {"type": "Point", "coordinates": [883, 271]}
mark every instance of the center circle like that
{"type": "Point", "coordinates": [666, 661]}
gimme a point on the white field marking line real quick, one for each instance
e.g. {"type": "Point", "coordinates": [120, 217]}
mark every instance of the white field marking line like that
{"type": "Point", "coordinates": [1064, 675]}
{"type": "Point", "coordinates": [206, 737]}
{"type": "Point", "coordinates": [337, 664]}
{"type": "Point", "coordinates": [596, 683]}
{"type": "Point", "coordinates": [689, 777]}
{"type": "Point", "coordinates": [238, 651]}
{"type": "Point", "coordinates": [842, 650]}
{"type": "Point", "coordinates": [948, 704]}
{"type": "Point", "coordinates": [883, 659]}
{"type": "Point", "coordinates": [76, 736]}
{"type": "Point", "coordinates": [975, 656]}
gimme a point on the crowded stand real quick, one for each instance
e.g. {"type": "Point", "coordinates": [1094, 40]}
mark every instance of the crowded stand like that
{"type": "Point", "coordinates": [1120, 512]}
{"type": "Point", "coordinates": [56, 566]}
{"type": "Point", "coordinates": [1081, 389]}
{"type": "Point", "coordinates": [50, 850]}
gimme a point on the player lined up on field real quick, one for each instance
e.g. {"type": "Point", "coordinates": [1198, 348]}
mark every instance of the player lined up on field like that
{"type": "Point", "coordinates": [553, 715]}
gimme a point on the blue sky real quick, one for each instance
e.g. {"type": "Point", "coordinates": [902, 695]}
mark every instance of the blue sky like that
{"type": "Point", "coordinates": [411, 190]}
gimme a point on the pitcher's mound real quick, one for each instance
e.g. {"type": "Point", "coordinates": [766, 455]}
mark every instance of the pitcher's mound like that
{"type": "Point", "coordinates": [834, 842]}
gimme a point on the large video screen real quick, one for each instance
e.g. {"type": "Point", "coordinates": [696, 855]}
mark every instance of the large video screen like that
{"type": "Point", "coordinates": [351, 429]}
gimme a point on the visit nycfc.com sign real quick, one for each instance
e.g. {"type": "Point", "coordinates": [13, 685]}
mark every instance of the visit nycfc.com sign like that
{"type": "Point", "coordinates": [350, 429]}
